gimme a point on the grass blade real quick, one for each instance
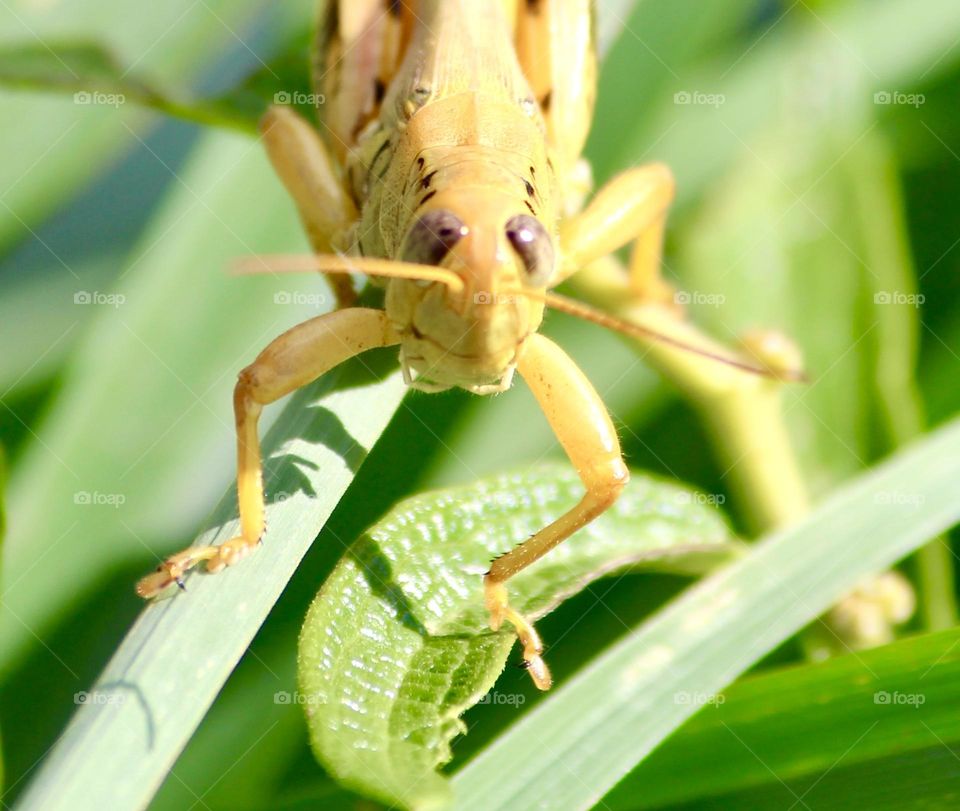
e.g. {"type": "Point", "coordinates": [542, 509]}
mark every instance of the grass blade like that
{"type": "Point", "coordinates": [899, 701]}
{"type": "Point", "coordinates": [572, 749]}
{"type": "Point", "coordinates": [141, 358]}
{"type": "Point", "coordinates": [172, 664]}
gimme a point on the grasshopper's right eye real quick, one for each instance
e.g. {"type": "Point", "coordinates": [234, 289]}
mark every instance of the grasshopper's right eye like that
{"type": "Point", "coordinates": [432, 236]}
{"type": "Point", "coordinates": [532, 243]}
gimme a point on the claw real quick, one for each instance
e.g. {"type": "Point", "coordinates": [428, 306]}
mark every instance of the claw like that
{"type": "Point", "coordinates": [539, 672]}
{"type": "Point", "coordinates": [156, 582]}
{"type": "Point", "coordinates": [497, 602]}
{"type": "Point", "coordinates": [173, 568]}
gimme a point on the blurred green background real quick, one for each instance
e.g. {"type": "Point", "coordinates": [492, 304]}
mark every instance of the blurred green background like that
{"type": "Point", "coordinates": [817, 151]}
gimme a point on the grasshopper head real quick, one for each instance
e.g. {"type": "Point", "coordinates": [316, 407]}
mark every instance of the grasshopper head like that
{"type": "Point", "coordinates": [497, 248]}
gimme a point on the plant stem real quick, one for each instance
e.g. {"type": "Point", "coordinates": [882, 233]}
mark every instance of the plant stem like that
{"type": "Point", "coordinates": [878, 203]}
{"type": "Point", "coordinates": [742, 410]}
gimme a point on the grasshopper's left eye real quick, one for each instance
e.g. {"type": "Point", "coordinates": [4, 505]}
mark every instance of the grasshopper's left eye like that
{"type": "Point", "coordinates": [432, 237]}
{"type": "Point", "coordinates": [534, 247]}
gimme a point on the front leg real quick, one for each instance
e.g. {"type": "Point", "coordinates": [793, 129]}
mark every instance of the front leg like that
{"type": "Point", "coordinates": [297, 357]}
{"type": "Point", "coordinates": [580, 421]}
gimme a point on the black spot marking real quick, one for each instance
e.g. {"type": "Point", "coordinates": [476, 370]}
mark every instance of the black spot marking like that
{"type": "Point", "coordinates": [378, 154]}
{"type": "Point", "coordinates": [420, 162]}
{"type": "Point", "coordinates": [545, 104]}
{"type": "Point", "coordinates": [533, 172]}
{"type": "Point", "coordinates": [530, 207]}
{"type": "Point", "coordinates": [394, 7]}
{"type": "Point", "coordinates": [379, 91]}
{"type": "Point", "coordinates": [529, 187]}
{"type": "Point", "coordinates": [425, 183]}
{"type": "Point", "coordinates": [426, 197]}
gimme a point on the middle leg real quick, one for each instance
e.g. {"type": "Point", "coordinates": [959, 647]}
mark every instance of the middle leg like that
{"type": "Point", "coordinates": [311, 177]}
{"type": "Point", "coordinates": [632, 206]}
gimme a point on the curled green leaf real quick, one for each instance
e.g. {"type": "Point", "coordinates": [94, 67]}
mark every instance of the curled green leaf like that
{"type": "Point", "coordinates": [95, 76]}
{"type": "Point", "coordinates": [397, 645]}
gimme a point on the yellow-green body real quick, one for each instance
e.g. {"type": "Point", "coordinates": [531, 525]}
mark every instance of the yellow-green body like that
{"type": "Point", "coordinates": [459, 129]}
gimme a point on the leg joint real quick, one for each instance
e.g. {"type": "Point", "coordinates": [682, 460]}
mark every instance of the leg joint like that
{"type": "Point", "coordinates": [605, 482]}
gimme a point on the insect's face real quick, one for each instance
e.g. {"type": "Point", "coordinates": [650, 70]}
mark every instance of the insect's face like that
{"type": "Point", "coordinates": [498, 249]}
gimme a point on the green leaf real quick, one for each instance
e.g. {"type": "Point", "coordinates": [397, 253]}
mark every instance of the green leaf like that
{"type": "Point", "coordinates": [95, 76]}
{"type": "Point", "coordinates": [397, 644]}
{"type": "Point", "coordinates": [60, 144]}
{"type": "Point", "coordinates": [646, 65]}
{"type": "Point", "coordinates": [3, 497]}
{"type": "Point", "coordinates": [625, 702]}
{"type": "Point", "coordinates": [824, 272]}
{"type": "Point", "coordinates": [842, 55]}
{"type": "Point", "coordinates": [883, 708]}
{"type": "Point", "coordinates": [838, 279]}
{"type": "Point", "coordinates": [3, 532]}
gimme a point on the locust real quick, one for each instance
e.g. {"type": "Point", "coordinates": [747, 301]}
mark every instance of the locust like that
{"type": "Point", "coordinates": [446, 165]}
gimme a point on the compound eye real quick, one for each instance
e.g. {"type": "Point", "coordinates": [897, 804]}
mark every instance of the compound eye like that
{"type": "Point", "coordinates": [534, 247]}
{"type": "Point", "coordinates": [432, 237]}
